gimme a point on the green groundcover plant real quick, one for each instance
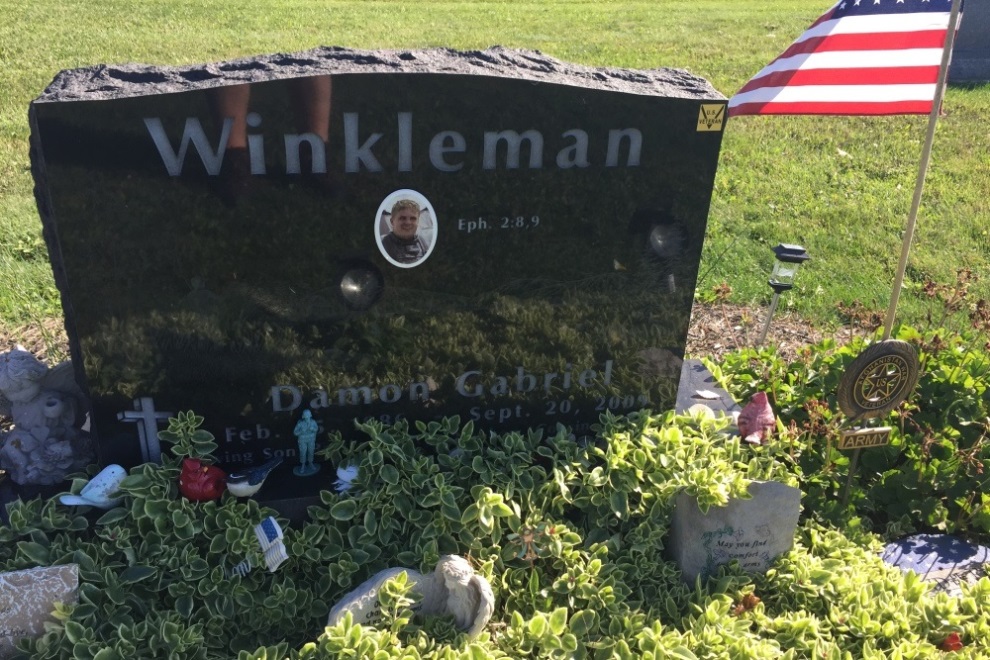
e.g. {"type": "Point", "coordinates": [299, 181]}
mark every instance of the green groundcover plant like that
{"type": "Point", "coordinates": [570, 536]}
{"type": "Point", "coordinates": [931, 477]}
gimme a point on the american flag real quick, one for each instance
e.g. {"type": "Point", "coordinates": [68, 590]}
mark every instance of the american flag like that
{"type": "Point", "coordinates": [862, 57]}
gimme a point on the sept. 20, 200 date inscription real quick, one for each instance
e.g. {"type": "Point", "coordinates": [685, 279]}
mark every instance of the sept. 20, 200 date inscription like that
{"type": "Point", "coordinates": [559, 408]}
{"type": "Point", "coordinates": [501, 222]}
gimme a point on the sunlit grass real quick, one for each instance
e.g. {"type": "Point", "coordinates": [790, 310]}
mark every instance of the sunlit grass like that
{"type": "Point", "coordinates": [839, 186]}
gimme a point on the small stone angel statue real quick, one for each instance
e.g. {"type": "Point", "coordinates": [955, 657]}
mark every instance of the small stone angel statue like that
{"type": "Point", "coordinates": [46, 406]}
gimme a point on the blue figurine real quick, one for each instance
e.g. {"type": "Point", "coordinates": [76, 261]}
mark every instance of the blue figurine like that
{"type": "Point", "coordinates": [306, 430]}
{"type": "Point", "coordinates": [247, 482]}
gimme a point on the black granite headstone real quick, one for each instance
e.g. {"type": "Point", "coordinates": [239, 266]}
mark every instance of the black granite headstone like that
{"type": "Point", "coordinates": [227, 239]}
{"type": "Point", "coordinates": [971, 52]}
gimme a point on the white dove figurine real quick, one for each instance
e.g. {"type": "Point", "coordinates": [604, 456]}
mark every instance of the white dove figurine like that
{"type": "Point", "coordinates": [99, 490]}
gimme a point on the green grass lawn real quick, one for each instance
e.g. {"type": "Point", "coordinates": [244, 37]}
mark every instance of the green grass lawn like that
{"type": "Point", "coordinates": [839, 186]}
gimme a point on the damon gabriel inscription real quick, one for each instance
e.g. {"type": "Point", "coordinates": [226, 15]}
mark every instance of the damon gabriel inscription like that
{"type": "Point", "coordinates": [211, 235]}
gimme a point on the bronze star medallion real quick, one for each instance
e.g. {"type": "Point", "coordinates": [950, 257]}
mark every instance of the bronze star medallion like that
{"type": "Point", "coordinates": [879, 379]}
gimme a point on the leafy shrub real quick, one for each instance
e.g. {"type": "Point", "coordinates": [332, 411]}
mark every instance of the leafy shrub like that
{"type": "Point", "coordinates": [930, 478]}
{"type": "Point", "coordinates": [570, 536]}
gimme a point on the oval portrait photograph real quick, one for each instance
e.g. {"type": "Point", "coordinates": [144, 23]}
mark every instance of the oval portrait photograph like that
{"type": "Point", "coordinates": [405, 228]}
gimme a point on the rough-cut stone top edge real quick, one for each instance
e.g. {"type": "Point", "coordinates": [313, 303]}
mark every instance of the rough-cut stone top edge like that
{"type": "Point", "coordinates": [103, 82]}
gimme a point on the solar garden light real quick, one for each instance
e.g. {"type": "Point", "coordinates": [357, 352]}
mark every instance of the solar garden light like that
{"type": "Point", "coordinates": [789, 260]}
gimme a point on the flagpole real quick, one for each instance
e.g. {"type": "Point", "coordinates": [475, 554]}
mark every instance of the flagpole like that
{"type": "Point", "coordinates": [926, 153]}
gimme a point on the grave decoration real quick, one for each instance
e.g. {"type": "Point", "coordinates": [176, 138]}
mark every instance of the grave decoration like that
{"type": "Point", "coordinates": [863, 438]}
{"type": "Point", "coordinates": [788, 260]}
{"type": "Point", "coordinates": [876, 382]}
{"type": "Point", "coordinates": [346, 474]}
{"type": "Point", "coordinates": [269, 534]}
{"type": "Point", "coordinates": [305, 431]}
{"type": "Point", "coordinates": [452, 589]}
{"type": "Point", "coordinates": [756, 420]}
{"type": "Point", "coordinates": [752, 531]}
{"type": "Point", "coordinates": [249, 481]}
{"type": "Point", "coordinates": [28, 598]}
{"type": "Point", "coordinates": [101, 491]}
{"type": "Point", "coordinates": [46, 405]}
{"type": "Point", "coordinates": [371, 235]}
{"type": "Point", "coordinates": [945, 561]}
{"type": "Point", "coordinates": [699, 392]}
{"type": "Point", "coordinates": [201, 482]}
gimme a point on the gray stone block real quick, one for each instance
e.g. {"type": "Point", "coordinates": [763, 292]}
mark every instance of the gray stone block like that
{"type": "Point", "coordinates": [754, 532]}
{"type": "Point", "coordinates": [696, 378]}
{"type": "Point", "coordinates": [27, 599]}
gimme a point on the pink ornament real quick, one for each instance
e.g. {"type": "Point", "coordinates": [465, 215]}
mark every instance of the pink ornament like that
{"type": "Point", "coordinates": [756, 420]}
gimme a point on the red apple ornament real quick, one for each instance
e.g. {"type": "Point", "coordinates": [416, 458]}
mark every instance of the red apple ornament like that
{"type": "Point", "coordinates": [200, 482]}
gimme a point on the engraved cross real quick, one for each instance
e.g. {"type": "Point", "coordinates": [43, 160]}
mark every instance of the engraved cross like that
{"type": "Point", "coordinates": [147, 418]}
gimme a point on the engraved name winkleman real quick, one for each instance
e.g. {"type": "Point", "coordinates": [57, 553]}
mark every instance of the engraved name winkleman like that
{"type": "Point", "coordinates": [448, 150]}
{"type": "Point", "coordinates": [878, 380]}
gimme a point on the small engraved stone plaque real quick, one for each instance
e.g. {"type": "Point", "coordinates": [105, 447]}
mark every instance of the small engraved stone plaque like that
{"type": "Point", "coordinates": [753, 532]}
{"type": "Point", "coordinates": [945, 561]}
{"type": "Point", "coordinates": [27, 599]}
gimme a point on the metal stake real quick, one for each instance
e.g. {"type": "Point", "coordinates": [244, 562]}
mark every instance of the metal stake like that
{"type": "Point", "coordinates": [926, 153]}
{"type": "Point", "coordinates": [766, 326]}
{"type": "Point", "coordinates": [849, 478]}
{"type": "Point", "coordinates": [853, 462]}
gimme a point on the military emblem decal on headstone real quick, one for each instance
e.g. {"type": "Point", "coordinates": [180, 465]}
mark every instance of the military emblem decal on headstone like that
{"type": "Point", "coordinates": [878, 380]}
{"type": "Point", "coordinates": [711, 116]}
